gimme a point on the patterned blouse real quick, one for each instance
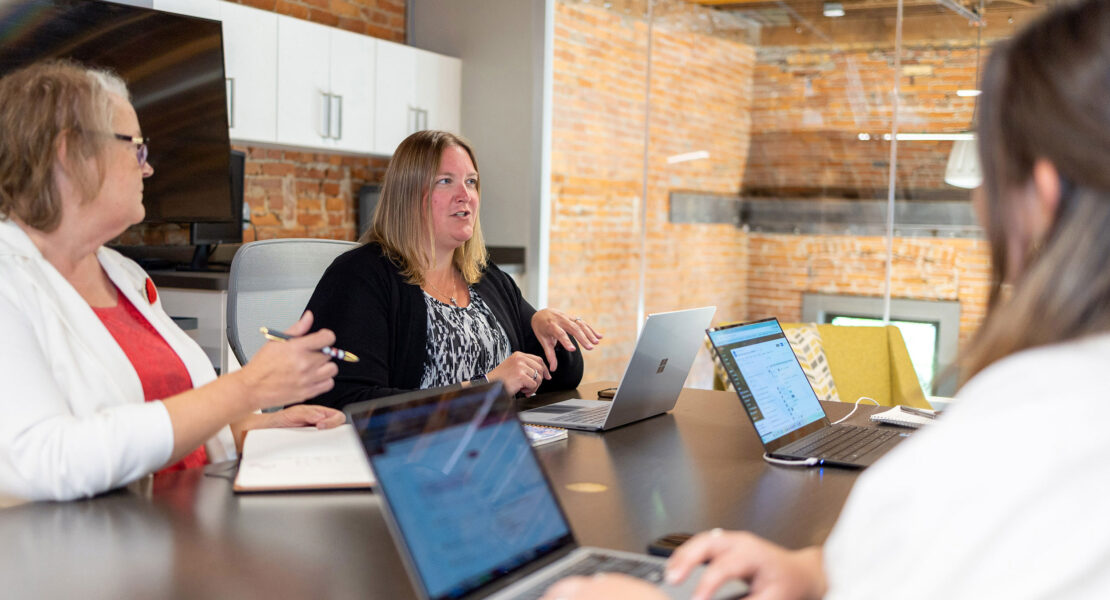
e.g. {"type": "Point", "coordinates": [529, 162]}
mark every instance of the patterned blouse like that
{"type": "Point", "coordinates": [463, 343]}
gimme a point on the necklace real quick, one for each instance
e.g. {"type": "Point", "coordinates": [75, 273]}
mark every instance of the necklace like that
{"type": "Point", "coordinates": [451, 297]}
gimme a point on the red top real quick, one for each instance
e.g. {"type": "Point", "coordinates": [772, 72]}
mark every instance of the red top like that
{"type": "Point", "coordinates": [160, 368]}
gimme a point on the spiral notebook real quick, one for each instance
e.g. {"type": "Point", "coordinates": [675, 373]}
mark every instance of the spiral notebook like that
{"type": "Point", "coordinates": [539, 435]}
{"type": "Point", "coordinates": [897, 416]}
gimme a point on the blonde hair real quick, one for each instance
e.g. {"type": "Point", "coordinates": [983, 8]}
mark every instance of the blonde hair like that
{"type": "Point", "coordinates": [1044, 97]}
{"type": "Point", "coordinates": [42, 105]}
{"type": "Point", "coordinates": [402, 223]}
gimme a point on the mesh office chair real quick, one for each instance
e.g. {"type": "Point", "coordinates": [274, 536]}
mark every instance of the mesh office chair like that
{"type": "Point", "coordinates": [270, 284]}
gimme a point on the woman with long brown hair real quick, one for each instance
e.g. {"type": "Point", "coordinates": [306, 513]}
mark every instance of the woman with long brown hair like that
{"type": "Point", "coordinates": [421, 303]}
{"type": "Point", "coordinates": [1005, 496]}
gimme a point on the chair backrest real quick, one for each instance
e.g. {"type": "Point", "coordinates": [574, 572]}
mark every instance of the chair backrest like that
{"type": "Point", "coordinates": [863, 361]}
{"type": "Point", "coordinates": [872, 362]}
{"type": "Point", "coordinates": [270, 284]}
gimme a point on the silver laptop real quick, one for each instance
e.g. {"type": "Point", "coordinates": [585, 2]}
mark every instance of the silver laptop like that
{"type": "Point", "coordinates": [652, 381]}
{"type": "Point", "coordinates": [468, 506]}
{"type": "Point", "coordinates": [781, 402]}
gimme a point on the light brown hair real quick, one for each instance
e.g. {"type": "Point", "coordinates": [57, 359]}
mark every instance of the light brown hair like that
{"type": "Point", "coordinates": [42, 105]}
{"type": "Point", "coordinates": [1045, 96]}
{"type": "Point", "coordinates": [402, 223]}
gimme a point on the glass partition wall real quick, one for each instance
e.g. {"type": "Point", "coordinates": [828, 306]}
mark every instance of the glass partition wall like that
{"type": "Point", "coordinates": [739, 154]}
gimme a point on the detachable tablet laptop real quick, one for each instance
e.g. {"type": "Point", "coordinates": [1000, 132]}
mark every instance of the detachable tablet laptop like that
{"type": "Point", "coordinates": [469, 507]}
{"type": "Point", "coordinates": [781, 402]}
{"type": "Point", "coordinates": [651, 383]}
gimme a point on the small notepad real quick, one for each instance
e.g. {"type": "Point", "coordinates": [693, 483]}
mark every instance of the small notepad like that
{"type": "Point", "coordinates": [302, 458]}
{"type": "Point", "coordinates": [896, 416]}
{"type": "Point", "coordinates": [539, 435]}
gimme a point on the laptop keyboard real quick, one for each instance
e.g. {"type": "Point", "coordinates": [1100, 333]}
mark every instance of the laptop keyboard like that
{"type": "Point", "coordinates": [843, 442]}
{"type": "Point", "coordinates": [598, 563]}
{"type": "Point", "coordinates": [585, 416]}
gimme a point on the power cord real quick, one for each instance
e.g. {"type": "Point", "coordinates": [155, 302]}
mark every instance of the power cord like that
{"type": "Point", "coordinates": [792, 462]}
{"type": "Point", "coordinates": [813, 462]}
{"type": "Point", "coordinates": [858, 400]}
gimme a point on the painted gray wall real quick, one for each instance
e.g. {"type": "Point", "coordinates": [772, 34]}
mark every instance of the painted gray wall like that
{"type": "Point", "coordinates": [501, 44]}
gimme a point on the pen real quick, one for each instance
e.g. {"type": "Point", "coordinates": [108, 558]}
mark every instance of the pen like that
{"type": "Point", "coordinates": [277, 336]}
{"type": "Point", "coordinates": [919, 412]}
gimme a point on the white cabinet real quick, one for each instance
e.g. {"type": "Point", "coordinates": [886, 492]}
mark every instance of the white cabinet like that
{"type": "Point", "coordinates": [438, 83]}
{"type": "Point", "coordinates": [415, 90]}
{"type": "Point", "coordinates": [352, 80]}
{"type": "Point", "coordinates": [250, 61]}
{"type": "Point", "coordinates": [209, 9]}
{"type": "Point", "coordinates": [297, 83]}
{"type": "Point", "coordinates": [325, 90]}
{"type": "Point", "coordinates": [209, 308]}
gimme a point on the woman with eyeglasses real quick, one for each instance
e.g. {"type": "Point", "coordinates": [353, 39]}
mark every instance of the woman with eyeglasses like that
{"type": "Point", "coordinates": [98, 386]}
{"type": "Point", "coordinates": [1005, 496]}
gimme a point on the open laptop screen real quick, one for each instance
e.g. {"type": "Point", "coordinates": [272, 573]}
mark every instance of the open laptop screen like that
{"type": "Point", "coordinates": [767, 376]}
{"type": "Point", "coordinates": [464, 489]}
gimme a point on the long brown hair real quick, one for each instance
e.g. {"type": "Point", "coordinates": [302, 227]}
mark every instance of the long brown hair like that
{"type": "Point", "coordinates": [402, 225]}
{"type": "Point", "coordinates": [1046, 95]}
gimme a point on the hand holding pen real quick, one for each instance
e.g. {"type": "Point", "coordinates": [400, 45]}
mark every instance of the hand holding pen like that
{"type": "Point", "coordinates": [335, 353]}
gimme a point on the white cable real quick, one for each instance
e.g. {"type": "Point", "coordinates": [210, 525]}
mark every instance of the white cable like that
{"type": "Point", "coordinates": [812, 462]}
{"type": "Point", "coordinates": [858, 400]}
{"type": "Point", "coordinates": [792, 462]}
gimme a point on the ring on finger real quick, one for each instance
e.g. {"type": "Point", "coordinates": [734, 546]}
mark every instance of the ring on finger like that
{"type": "Point", "coordinates": [716, 532]}
{"type": "Point", "coordinates": [535, 374]}
{"type": "Point", "coordinates": [578, 319]}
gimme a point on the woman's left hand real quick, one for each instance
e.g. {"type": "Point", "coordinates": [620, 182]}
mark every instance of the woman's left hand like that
{"type": "Point", "coordinates": [553, 327]}
{"type": "Point", "coordinates": [304, 415]}
{"type": "Point", "coordinates": [299, 415]}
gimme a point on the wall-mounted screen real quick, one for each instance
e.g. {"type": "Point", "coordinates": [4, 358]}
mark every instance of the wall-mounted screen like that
{"type": "Point", "coordinates": [173, 65]}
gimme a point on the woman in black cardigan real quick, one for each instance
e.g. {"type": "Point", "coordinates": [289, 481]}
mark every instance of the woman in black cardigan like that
{"type": "Point", "coordinates": [420, 303]}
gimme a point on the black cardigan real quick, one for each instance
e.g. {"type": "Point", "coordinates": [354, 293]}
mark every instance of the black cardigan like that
{"type": "Point", "coordinates": [363, 298]}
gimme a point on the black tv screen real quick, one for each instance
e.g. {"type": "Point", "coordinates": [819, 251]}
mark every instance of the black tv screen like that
{"type": "Point", "coordinates": [174, 67]}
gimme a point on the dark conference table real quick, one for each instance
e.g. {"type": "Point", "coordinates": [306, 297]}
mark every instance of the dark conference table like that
{"type": "Point", "coordinates": [189, 536]}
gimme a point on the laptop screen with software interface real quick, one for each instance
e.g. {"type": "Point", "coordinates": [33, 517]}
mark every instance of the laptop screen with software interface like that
{"type": "Point", "coordinates": [464, 488]}
{"type": "Point", "coordinates": [767, 376]}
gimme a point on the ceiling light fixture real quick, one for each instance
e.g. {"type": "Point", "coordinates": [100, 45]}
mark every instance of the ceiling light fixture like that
{"type": "Point", "coordinates": [963, 169]}
{"type": "Point", "coordinates": [833, 9]}
{"type": "Point", "coordinates": [932, 137]}
{"type": "Point", "coordinates": [687, 157]}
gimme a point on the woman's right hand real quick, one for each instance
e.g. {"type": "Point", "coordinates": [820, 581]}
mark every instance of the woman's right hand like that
{"type": "Point", "coordinates": [284, 373]}
{"type": "Point", "coordinates": [521, 373]}
{"type": "Point", "coordinates": [773, 572]}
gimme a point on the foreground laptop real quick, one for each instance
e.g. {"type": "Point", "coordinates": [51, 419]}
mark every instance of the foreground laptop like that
{"type": "Point", "coordinates": [782, 404]}
{"type": "Point", "coordinates": [652, 381]}
{"type": "Point", "coordinates": [468, 505]}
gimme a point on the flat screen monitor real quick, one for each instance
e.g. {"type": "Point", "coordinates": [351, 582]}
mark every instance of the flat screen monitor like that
{"type": "Point", "coordinates": [174, 67]}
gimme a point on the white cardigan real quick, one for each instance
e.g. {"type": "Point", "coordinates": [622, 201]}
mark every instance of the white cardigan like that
{"type": "Point", "coordinates": [73, 422]}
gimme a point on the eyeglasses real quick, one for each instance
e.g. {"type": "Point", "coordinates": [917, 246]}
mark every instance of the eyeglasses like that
{"type": "Point", "coordinates": [141, 150]}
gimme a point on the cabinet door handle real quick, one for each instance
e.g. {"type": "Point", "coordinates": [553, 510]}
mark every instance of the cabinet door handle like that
{"type": "Point", "coordinates": [336, 114]}
{"type": "Point", "coordinates": [230, 85]}
{"type": "Point", "coordinates": [423, 119]}
{"type": "Point", "coordinates": [413, 120]}
{"type": "Point", "coordinates": [325, 115]}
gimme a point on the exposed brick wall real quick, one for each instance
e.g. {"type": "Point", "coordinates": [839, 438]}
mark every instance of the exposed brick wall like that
{"type": "Point", "coordinates": [383, 19]}
{"type": "Point", "coordinates": [779, 120]}
{"type": "Point", "coordinates": [699, 101]}
{"type": "Point", "coordinates": [810, 104]}
{"type": "Point", "coordinates": [305, 194]}
{"type": "Point", "coordinates": [783, 267]}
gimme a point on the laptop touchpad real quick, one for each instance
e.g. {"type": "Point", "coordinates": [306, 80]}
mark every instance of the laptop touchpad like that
{"type": "Point", "coordinates": [555, 408]}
